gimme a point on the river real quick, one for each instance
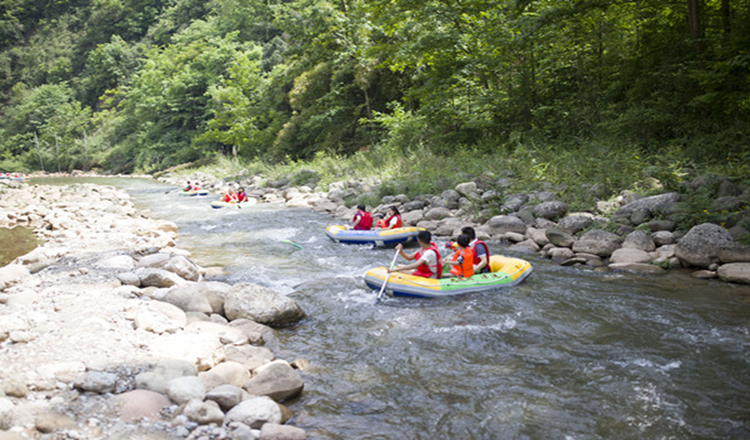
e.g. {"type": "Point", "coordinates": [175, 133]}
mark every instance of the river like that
{"type": "Point", "coordinates": [570, 353]}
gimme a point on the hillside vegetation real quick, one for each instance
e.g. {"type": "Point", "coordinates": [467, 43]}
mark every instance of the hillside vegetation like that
{"type": "Point", "coordinates": [585, 89]}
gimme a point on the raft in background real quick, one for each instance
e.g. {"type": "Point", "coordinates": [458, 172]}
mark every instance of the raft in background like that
{"type": "Point", "coordinates": [218, 204]}
{"type": "Point", "coordinates": [201, 192]}
{"type": "Point", "coordinates": [506, 272]}
{"type": "Point", "coordinates": [377, 237]}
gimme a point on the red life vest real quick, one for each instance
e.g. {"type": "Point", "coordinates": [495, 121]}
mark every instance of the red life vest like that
{"type": "Point", "coordinates": [228, 198]}
{"type": "Point", "coordinates": [424, 269]}
{"type": "Point", "coordinates": [398, 221]}
{"type": "Point", "coordinates": [465, 268]}
{"type": "Point", "coordinates": [478, 242]}
{"type": "Point", "coordinates": [241, 197]}
{"type": "Point", "coordinates": [365, 222]}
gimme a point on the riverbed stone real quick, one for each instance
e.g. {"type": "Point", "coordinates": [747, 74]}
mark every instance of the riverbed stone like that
{"type": "Point", "coordinates": [415, 205]}
{"type": "Point", "coordinates": [651, 204]}
{"type": "Point", "coordinates": [735, 273]}
{"type": "Point", "coordinates": [227, 396]}
{"type": "Point", "coordinates": [597, 242]}
{"type": "Point", "coordinates": [203, 412]}
{"type": "Point", "coordinates": [538, 235]}
{"type": "Point", "coordinates": [250, 356]}
{"type": "Point", "coordinates": [559, 238]}
{"type": "Point", "coordinates": [638, 268]}
{"type": "Point", "coordinates": [700, 246]}
{"type": "Point", "coordinates": [704, 274]}
{"type": "Point", "coordinates": [276, 431]}
{"type": "Point", "coordinates": [183, 267]}
{"type": "Point", "coordinates": [189, 299]}
{"type": "Point", "coordinates": [734, 253]}
{"type": "Point", "coordinates": [97, 382]}
{"type": "Point", "coordinates": [661, 225]}
{"type": "Point", "coordinates": [262, 305]}
{"type": "Point", "coordinates": [438, 213]}
{"type": "Point", "coordinates": [277, 380]}
{"type": "Point", "coordinates": [150, 277]}
{"type": "Point", "coordinates": [661, 238]}
{"type": "Point", "coordinates": [639, 240]}
{"type": "Point", "coordinates": [629, 255]}
{"type": "Point", "coordinates": [183, 389]}
{"type": "Point", "coordinates": [500, 224]}
{"type": "Point", "coordinates": [120, 262]}
{"type": "Point", "coordinates": [160, 317]}
{"type": "Point", "coordinates": [551, 210]}
{"type": "Point", "coordinates": [12, 274]}
{"type": "Point", "coordinates": [514, 202]}
{"type": "Point", "coordinates": [639, 216]}
{"type": "Point", "coordinates": [226, 373]}
{"type": "Point", "coordinates": [137, 404]}
{"type": "Point", "coordinates": [467, 188]}
{"type": "Point", "coordinates": [412, 217]}
{"type": "Point", "coordinates": [254, 412]}
{"type": "Point", "coordinates": [164, 371]}
{"type": "Point", "coordinates": [591, 259]}
{"type": "Point", "coordinates": [572, 224]}
{"type": "Point", "coordinates": [560, 254]}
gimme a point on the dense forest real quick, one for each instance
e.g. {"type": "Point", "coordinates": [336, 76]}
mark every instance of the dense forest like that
{"type": "Point", "coordinates": [141, 85]}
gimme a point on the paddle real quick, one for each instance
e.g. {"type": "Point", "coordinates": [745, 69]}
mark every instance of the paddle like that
{"type": "Point", "coordinates": [388, 275]}
{"type": "Point", "coordinates": [292, 243]}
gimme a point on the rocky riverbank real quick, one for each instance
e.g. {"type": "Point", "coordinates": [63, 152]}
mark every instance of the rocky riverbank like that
{"type": "Point", "coordinates": [630, 233]}
{"type": "Point", "coordinates": [110, 331]}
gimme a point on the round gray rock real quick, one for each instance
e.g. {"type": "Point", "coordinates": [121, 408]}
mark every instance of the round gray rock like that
{"type": "Point", "coordinates": [262, 305]}
{"type": "Point", "coordinates": [735, 273]}
{"type": "Point", "coordinates": [639, 240]}
{"type": "Point", "coordinates": [597, 242]}
{"type": "Point", "coordinates": [500, 224]}
{"type": "Point", "coordinates": [551, 210]}
{"type": "Point", "coordinates": [700, 246]}
{"type": "Point", "coordinates": [254, 412]}
{"type": "Point", "coordinates": [573, 224]}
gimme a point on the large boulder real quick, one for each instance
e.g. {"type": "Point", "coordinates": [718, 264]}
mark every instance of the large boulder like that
{"type": "Point", "coordinates": [700, 246]}
{"type": "Point", "coordinates": [514, 202]}
{"type": "Point", "coordinates": [651, 204]}
{"type": "Point", "coordinates": [416, 205]}
{"type": "Point", "coordinates": [500, 224]}
{"type": "Point", "coordinates": [262, 305]}
{"type": "Point", "coordinates": [573, 224]}
{"type": "Point", "coordinates": [630, 255]}
{"type": "Point", "coordinates": [437, 213]}
{"type": "Point", "coordinates": [189, 299]}
{"type": "Point", "coordinates": [150, 277]}
{"type": "Point", "coordinates": [467, 189]}
{"type": "Point", "coordinates": [735, 272]}
{"type": "Point", "coordinates": [559, 238]}
{"type": "Point", "coordinates": [277, 380]}
{"type": "Point", "coordinates": [412, 217]}
{"type": "Point", "coordinates": [551, 210]}
{"type": "Point", "coordinates": [734, 253]}
{"type": "Point", "coordinates": [597, 242]}
{"type": "Point", "coordinates": [639, 240]}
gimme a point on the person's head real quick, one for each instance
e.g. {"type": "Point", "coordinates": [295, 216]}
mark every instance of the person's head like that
{"type": "Point", "coordinates": [361, 207]}
{"type": "Point", "coordinates": [469, 231]}
{"type": "Point", "coordinates": [230, 191]}
{"type": "Point", "coordinates": [463, 241]}
{"type": "Point", "coordinates": [393, 210]}
{"type": "Point", "coordinates": [424, 238]}
{"type": "Point", "coordinates": [241, 190]}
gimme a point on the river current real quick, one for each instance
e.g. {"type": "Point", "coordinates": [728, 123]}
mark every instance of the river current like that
{"type": "Point", "coordinates": [568, 354]}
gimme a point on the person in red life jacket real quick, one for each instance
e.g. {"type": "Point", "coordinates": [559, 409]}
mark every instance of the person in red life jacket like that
{"type": "Point", "coordinates": [362, 219]}
{"type": "Point", "coordinates": [229, 196]}
{"type": "Point", "coordinates": [481, 251]}
{"type": "Point", "coordinates": [241, 195]}
{"type": "Point", "coordinates": [463, 259]}
{"type": "Point", "coordinates": [426, 259]}
{"type": "Point", "coordinates": [379, 221]}
{"type": "Point", "coordinates": [393, 220]}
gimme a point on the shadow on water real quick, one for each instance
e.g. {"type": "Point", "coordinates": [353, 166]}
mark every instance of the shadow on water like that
{"type": "Point", "coordinates": [569, 353]}
{"type": "Point", "coordinates": [15, 242]}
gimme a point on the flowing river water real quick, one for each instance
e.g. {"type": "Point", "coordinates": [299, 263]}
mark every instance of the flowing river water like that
{"type": "Point", "coordinates": [569, 353]}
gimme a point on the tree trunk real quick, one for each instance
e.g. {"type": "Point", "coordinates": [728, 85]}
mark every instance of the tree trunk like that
{"type": "Point", "coordinates": [694, 22]}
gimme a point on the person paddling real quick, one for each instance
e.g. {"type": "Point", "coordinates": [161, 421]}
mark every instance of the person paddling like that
{"type": "Point", "coordinates": [241, 195]}
{"type": "Point", "coordinates": [426, 259]}
{"type": "Point", "coordinates": [229, 196]}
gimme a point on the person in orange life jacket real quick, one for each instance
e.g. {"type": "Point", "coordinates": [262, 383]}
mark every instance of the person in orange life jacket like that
{"type": "Point", "coordinates": [481, 251]}
{"type": "Point", "coordinates": [362, 219]}
{"type": "Point", "coordinates": [426, 259]}
{"type": "Point", "coordinates": [241, 195]}
{"type": "Point", "coordinates": [394, 218]}
{"type": "Point", "coordinates": [196, 186]}
{"type": "Point", "coordinates": [379, 222]}
{"type": "Point", "coordinates": [463, 259]}
{"type": "Point", "coordinates": [229, 196]}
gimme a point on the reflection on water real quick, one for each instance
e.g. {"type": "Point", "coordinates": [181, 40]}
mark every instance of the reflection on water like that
{"type": "Point", "coordinates": [567, 354]}
{"type": "Point", "coordinates": [15, 242]}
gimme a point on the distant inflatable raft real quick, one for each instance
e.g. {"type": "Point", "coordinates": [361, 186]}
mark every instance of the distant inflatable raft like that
{"type": "Point", "coordinates": [200, 192]}
{"type": "Point", "coordinates": [377, 237]}
{"type": "Point", "coordinates": [506, 272]}
{"type": "Point", "coordinates": [233, 205]}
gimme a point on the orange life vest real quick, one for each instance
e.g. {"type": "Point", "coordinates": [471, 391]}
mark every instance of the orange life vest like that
{"type": "Point", "coordinates": [465, 268]}
{"type": "Point", "coordinates": [381, 224]}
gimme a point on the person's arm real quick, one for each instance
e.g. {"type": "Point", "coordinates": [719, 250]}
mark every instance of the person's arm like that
{"type": "Point", "coordinates": [357, 218]}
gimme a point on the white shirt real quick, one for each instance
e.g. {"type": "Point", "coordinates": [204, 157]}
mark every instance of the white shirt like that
{"type": "Point", "coordinates": [430, 257]}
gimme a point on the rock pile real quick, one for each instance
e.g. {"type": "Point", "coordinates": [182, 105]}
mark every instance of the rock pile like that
{"type": "Point", "coordinates": [629, 233]}
{"type": "Point", "coordinates": [110, 331]}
